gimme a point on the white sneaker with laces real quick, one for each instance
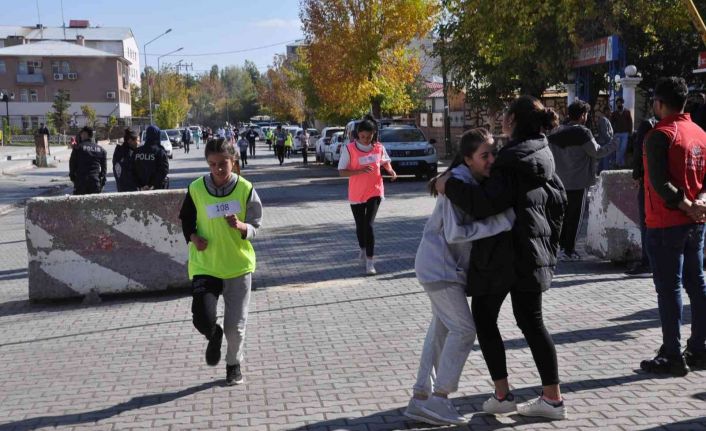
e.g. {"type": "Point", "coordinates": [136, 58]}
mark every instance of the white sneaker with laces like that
{"type": "Point", "coordinates": [540, 407]}
{"type": "Point", "coordinates": [370, 267]}
{"type": "Point", "coordinates": [414, 411]}
{"type": "Point", "coordinates": [442, 409]}
{"type": "Point", "coordinates": [494, 406]}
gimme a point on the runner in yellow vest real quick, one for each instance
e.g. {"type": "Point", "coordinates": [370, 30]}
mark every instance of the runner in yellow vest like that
{"type": "Point", "coordinates": [220, 216]}
{"type": "Point", "coordinates": [288, 145]}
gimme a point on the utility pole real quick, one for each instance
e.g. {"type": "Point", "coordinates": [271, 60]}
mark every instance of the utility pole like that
{"type": "Point", "coordinates": [445, 84]}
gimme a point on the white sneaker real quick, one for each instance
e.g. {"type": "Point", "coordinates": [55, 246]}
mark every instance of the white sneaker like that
{"type": "Point", "coordinates": [414, 411]}
{"type": "Point", "coordinates": [540, 407]}
{"type": "Point", "coordinates": [370, 267]}
{"type": "Point", "coordinates": [494, 406]}
{"type": "Point", "coordinates": [442, 409]}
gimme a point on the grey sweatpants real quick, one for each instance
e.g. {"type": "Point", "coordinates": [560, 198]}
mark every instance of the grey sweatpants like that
{"type": "Point", "coordinates": [236, 298]}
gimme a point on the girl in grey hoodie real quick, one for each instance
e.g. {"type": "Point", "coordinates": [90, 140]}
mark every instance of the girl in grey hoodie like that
{"type": "Point", "coordinates": [441, 263]}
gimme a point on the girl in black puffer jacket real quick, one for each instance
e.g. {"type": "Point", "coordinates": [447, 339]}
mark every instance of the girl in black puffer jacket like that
{"type": "Point", "coordinates": [520, 262]}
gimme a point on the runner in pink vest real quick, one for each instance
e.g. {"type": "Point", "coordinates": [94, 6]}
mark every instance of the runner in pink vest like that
{"type": "Point", "coordinates": [360, 161]}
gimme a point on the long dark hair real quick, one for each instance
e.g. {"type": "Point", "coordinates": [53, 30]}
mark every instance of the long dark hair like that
{"type": "Point", "coordinates": [471, 140]}
{"type": "Point", "coordinates": [531, 117]}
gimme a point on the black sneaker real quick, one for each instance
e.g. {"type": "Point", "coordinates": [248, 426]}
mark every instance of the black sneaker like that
{"type": "Point", "coordinates": [233, 375]}
{"type": "Point", "coordinates": [639, 270]}
{"type": "Point", "coordinates": [696, 360]}
{"type": "Point", "coordinates": [213, 351]}
{"type": "Point", "coordinates": [662, 364]}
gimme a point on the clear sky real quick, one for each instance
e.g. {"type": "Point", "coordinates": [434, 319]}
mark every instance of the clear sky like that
{"type": "Point", "coordinates": [200, 27]}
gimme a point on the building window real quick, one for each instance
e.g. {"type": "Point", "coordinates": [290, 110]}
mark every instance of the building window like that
{"type": "Point", "coordinates": [33, 96]}
{"type": "Point", "coordinates": [26, 122]}
{"type": "Point", "coordinates": [35, 122]}
{"type": "Point", "coordinates": [30, 67]}
{"type": "Point", "coordinates": [24, 95]}
{"type": "Point", "coordinates": [2, 66]}
{"type": "Point", "coordinates": [60, 67]}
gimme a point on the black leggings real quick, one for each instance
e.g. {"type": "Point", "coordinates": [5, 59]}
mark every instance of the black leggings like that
{"type": "Point", "coordinates": [279, 150]}
{"type": "Point", "coordinates": [364, 215]}
{"type": "Point", "coordinates": [205, 291]}
{"type": "Point", "coordinates": [572, 219]}
{"type": "Point", "coordinates": [527, 308]}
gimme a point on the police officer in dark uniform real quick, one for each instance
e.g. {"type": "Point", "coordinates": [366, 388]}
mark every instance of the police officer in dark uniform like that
{"type": "Point", "coordinates": [151, 162]}
{"type": "Point", "coordinates": [87, 165]}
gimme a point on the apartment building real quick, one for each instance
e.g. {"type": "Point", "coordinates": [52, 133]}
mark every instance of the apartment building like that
{"type": "Point", "coordinates": [33, 73]}
{"type": "Point", "coordinates": [115, 40]}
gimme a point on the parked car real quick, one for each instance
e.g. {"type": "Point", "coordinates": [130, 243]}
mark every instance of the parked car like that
{"type": "Point", "coordinates": [174, 137]}
{"type": "Point", "coordinates": [325, 140]}
{"type": "Point", "coordinates": [332, 153]}
{"type": "Point", "coordinates": [314, 136]}
{"type": "Point", "coordinates": [163, 141]}
{"type": "Point", "coordinates": [410, 151]}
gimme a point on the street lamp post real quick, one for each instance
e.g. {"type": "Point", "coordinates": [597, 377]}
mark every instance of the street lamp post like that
{"type": "Point", "coordinates": [149, 87]}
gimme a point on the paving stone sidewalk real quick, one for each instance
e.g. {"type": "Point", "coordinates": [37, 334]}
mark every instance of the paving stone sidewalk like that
{"type": "Point", "coordinates": [327, 348]}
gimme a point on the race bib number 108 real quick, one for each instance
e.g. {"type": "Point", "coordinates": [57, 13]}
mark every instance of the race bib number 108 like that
{"type": "Point", "coordinates": [223, 209]}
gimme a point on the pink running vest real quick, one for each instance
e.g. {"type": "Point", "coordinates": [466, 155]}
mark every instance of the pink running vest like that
{"type": "Point", "coordinates": [369, 185]}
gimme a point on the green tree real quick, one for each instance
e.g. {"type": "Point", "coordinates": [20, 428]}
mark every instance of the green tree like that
{"type": "Point", "coordinates": [241, 92]}
{"type": "Point", "coordinates": [172, 98]}
{"type": "Point", "coordinates": [90, 113]}
{"type": "Point", "coordinates": [112, 122]}
{"type": "Point", "coordinates": [495, 49]}
{"type": "Point", "coordinates": [60, 113]}
{"type": "Point", "coordinates": [139, 100]}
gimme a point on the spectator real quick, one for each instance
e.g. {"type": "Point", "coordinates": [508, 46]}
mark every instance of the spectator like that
{"type": "Point", "coordinates": [621, 120]}
{"type": "Point", "coordinates": [604, 135]}
{"type": "Point", "coordinates": [575, 154]}
{"type": "Point", "coordinates": [151, 162]}
{"type": "Point", "coordinates": [675, 210]}
{"type": "Point", "coordinates": [87, 165]}
{"type": "Point", "coordinates": [642, 267]}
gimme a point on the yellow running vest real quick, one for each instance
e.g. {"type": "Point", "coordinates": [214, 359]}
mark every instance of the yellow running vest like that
{"type": "Point", "coordinates": [228, 255]}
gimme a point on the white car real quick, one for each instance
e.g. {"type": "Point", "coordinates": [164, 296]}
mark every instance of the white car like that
{"type": "Point", "coordinates": [332, 153]}
{"type": "Point", "coordinates": [410, 151]}
{"type": "Point", "coordinates": [163, 141]}
{"type": "Point", "coordinates": [325, 140]}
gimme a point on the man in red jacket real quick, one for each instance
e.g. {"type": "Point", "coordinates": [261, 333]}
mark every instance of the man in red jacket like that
{"type": "Point", "coordinates": [675, 211]}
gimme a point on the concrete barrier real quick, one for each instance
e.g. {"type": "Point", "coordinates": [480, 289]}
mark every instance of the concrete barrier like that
{"type": "Point", "coordinates": [613, 219]}
{"type": "Point", "coordinates": [107, 243]}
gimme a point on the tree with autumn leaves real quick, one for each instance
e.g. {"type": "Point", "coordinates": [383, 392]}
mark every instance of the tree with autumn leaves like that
{"type": "Point", "coordinates": [357, 58]}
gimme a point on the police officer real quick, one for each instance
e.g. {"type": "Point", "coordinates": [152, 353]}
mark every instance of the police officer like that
{"type": "Point", "coordinates": [87, 164]}
{"type": "Point", "coordinates": [151, 162]}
